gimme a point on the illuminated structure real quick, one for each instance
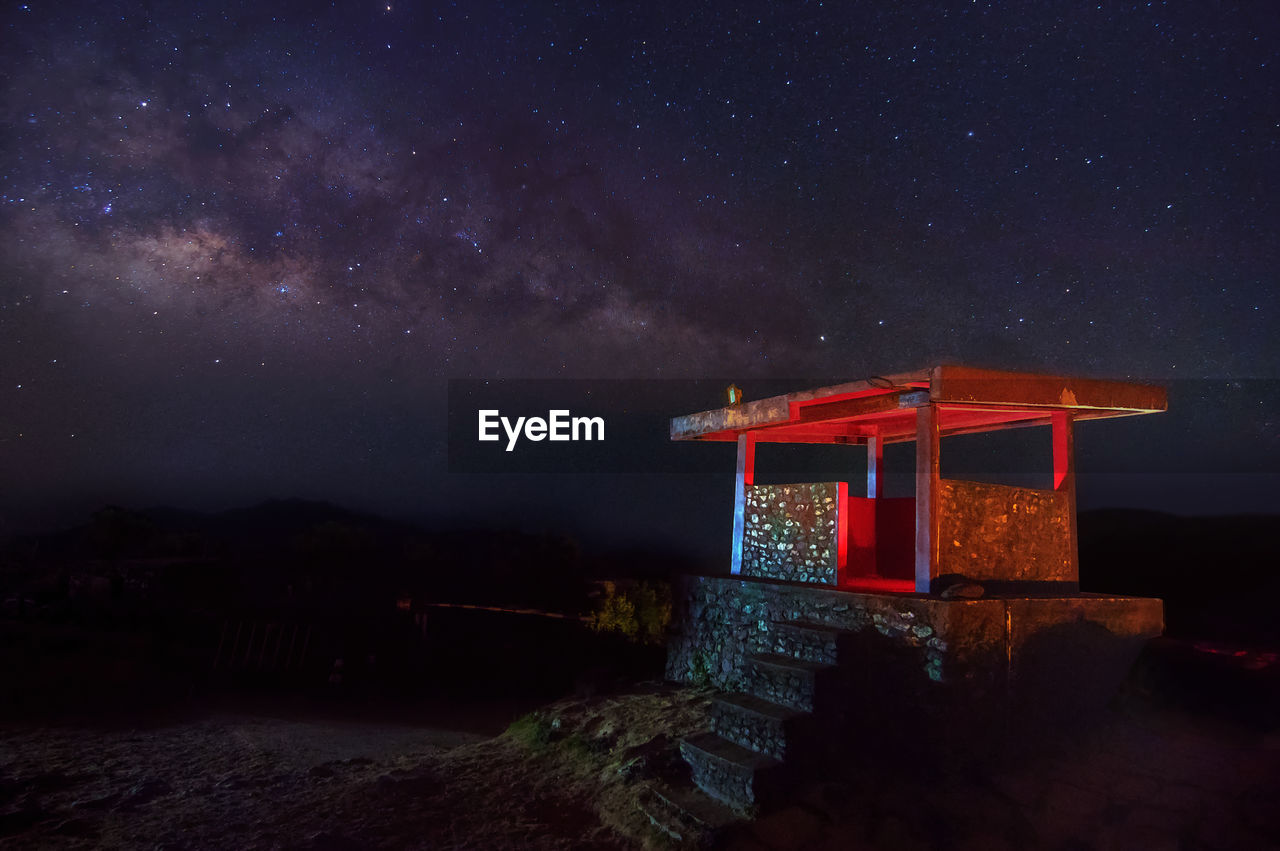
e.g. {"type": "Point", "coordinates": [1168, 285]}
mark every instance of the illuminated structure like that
{"type": "Point", "coordinates": [986, 532]}
{"type": "Point", "coordinates": [958, 607]}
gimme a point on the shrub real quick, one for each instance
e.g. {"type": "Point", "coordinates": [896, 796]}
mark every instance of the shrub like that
{"type": "Point", "coordinates": [700, 669]}
{"type": "Point", "coordinates": [641, 614]}
{"type": "Point", "coordinates": [532, 730]}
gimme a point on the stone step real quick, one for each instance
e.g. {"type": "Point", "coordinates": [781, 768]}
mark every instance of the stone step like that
{"type": "Point", "coordinates": [682, 812]}
{"type": "Point", "coordinates": [754, 723]}
{"type": "Point", "coordinates": [807, 641]}
{"type": "Point", "coordinates": [728, 772]}
{"type": "Point", "coordinates": [816, 626]}
{"type": "Point", "coordinates": [784, 680]}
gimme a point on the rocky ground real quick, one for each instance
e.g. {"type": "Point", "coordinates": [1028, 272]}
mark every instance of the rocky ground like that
{"type": "Point", "coordinates": [560, 778]}
{"type": "Point", "coordinates": [567, 776]}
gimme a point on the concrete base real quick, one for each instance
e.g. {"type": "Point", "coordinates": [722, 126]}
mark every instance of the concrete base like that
{"type": "Point", "coordinates": [899, 670]}
{"type": "Point", "coordinates": [992, 644]}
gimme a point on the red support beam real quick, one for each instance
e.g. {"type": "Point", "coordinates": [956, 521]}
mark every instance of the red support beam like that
{"type": "Point", "coordinates": [1063, 450]}
{"type": "Point", "coordinates": [875, 461]}
{"type": "Point", "coordinates": [820, 412]}
{"type": "Point", "coordinates": [745, 478]}
{"type": "Point", "coordinates": [842, 532]}
{"type": "Point", "coordinates": [1064, 475]}
{"type": "Point", "coordinates": [927, 436]}
{"type": "Point", "coordinates": [875, 487]}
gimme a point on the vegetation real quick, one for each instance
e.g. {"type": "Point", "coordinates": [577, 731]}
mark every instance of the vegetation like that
{"type": "Point", "coordinates": [641, 613]}
{"type": "Point", "coordinates": [532, 730]}
{"type": "Point", "coordinates": [700, 670]}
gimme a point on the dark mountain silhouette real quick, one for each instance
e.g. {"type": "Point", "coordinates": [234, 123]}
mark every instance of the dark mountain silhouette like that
{"type": "Point", "coordinates": [1219, 576]}
{"type": "Point", "coordinates": [281, 547]}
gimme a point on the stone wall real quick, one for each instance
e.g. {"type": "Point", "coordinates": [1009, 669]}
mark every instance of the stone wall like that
{"type": "Point", "coordinates": [791, 532]}
{"type": "Point", "coordinates": [962, 662]}
{"type": "Point", "coordinates": [998, 532]}
{"type": "Point", "coordinates": [722, 620]}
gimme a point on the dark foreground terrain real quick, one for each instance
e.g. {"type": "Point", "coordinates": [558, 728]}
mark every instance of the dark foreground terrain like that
{"type": "Point", "coordinates": [1146, 776]}
{"type": "Point", "coordinates": [560, 779]}
{"type": "Point", "coordinates": [133, 714]}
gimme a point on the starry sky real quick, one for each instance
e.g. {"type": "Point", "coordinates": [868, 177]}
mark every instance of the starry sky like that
{"type": "Point", "coordinates": [244, 245]}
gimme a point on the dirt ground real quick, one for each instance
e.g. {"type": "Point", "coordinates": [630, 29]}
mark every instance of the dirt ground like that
{"type": "Point", "coordinates": [558, 779]}
{"type": "Point", "coordinates": [567, 775]}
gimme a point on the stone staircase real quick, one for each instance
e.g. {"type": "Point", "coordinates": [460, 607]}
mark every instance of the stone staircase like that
{"type": "Point", "coordinates": [683, 813]}
{"type": "Point", "coordinates": [794, 692]}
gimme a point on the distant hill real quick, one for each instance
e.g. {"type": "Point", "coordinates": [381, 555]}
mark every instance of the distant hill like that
{"type": "Point", "coordinates": [273, 525]}
{"type": "Point", "coordinates": [280, 544]}
{"type": "Point", "coordinates": [1219, 576]}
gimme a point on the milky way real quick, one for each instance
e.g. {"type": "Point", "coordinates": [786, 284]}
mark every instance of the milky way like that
{"type": "Point", "coordinates": [244, 246]}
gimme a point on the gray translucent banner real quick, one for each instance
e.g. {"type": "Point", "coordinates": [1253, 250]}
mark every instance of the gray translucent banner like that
{"type": "Point", "coordinates": [572, 426]}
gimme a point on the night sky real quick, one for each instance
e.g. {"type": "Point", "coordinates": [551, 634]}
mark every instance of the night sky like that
{"type": "Point", "coordinates": [244, 245]}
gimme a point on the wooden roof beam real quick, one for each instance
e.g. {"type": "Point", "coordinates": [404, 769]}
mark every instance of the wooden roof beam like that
{"type": "Point", "coordinates": [991, 386]}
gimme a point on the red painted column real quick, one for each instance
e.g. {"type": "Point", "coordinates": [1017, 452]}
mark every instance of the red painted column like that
{"type": "Point", "coordinates": [745, 477]}
{"type": "Point", "coordinates": [1064, 477]}
{"type": "Point", "coordinates": [842, 532]}
{"type": "Point", "coordinates": [927, 438]}
{"type": "Point", "coordinates": [875, 487]}
{"type": "Point", "coordinates": [875, 461]}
